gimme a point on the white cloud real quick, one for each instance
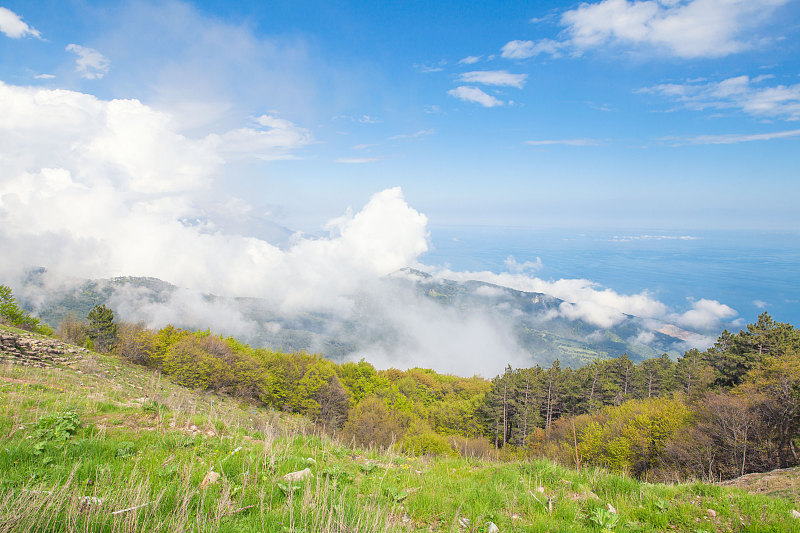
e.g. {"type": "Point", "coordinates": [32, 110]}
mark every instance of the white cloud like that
{"type": "Point", "coordinates": [356, 160]}
{"type": "Point", "coordinates": [428, 68]}
{"type": "Point", "coordinates": [494, 77]}
{"type": "Point", "coordinates": [735, 138]}
{"type": "Point", "coordinates": [361, 119]}
{"type": "Point", "coordinates": [693, 28]}
{"type": "Point", "coordinates": [415, 135]}
{"type": "Point", "coordinates": [760, 304]}
{"type": "Point", "coordinates": [469, 60]}
{"type": "Point", "coordinates": [90, 63]}
{"type": "Point", "coordinates": [515, 266]}
{"type": "Point", "coordinates": [458, 341]}
{"type": "Point", "coordinates": [12, 25]}
{"type": "Point", "coordinates": [527, 49]}
{"type": "Point", "coordinates": [98, 188]}
{"type": "Point", "coordinates": [586, 299]}
{"type": "Point", "coordinates": [44, 77]}
{"type": "Point", "coordinates": [741, 92]}
{"type": "Point", "coordinates": [276, 138]}
{"type": "Point", "coordinates": [682, 28]}
{"type": "Point", "coordinates": [591, 312]}
{"type": "Point", "coordinates": [538, 20]}
{"type": "Point", "coordinates": [705, 315]}
{"type": "Point", "coordinates": [475, 95]}
{"type": "Point", "coordinates": [190, 309]}
{"type": "Point", "coordinates": [632, 238]}
{"type": "Point", "coordinates": [490, 291]}
{"type": "Point", "coordinates": [565, 142]}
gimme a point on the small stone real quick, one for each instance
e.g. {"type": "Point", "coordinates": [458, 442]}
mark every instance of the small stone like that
{"type": "Point", "coordinates": [192, 428]}
{"type": "Point", "coordinates": [711, 513]}
{"type": "Point", "coordinates": [491, 527]}
{"type": "Point", "coordinates": [540, 490]}
{"type": "Point", "coordinates": [300, 475]}
{"type": "Point", "coordinates": [463, 522]}
{"type": "Point", "coordinates": [795, 514]}
{"type": "Point", "coordinates": [611, 509]}
{"type": "Point", "coordinates": [210, 478]}
{"type": "Point", "coordinates": [211, 433]}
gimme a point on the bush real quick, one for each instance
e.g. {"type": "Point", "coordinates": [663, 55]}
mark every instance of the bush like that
{"type": "Point", "coordinates": [421, 440]}
{"type": "Point", "coordinates": [477, 447]}
{"type": "Point", "coordinates": [73, 331]}
{"type": "Point", "coordinates": [632, 437]}
{"type": "Point", "coordinates": [135, 343]}
{"type": "Point", "coordinates": [55, 430]}
{"type": "Point", "coordinates": [369, 423]}
{"type": "Point", "coordinates": [189, 364]}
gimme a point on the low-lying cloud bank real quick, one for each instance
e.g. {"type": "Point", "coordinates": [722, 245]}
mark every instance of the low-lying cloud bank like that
{"type": "Point", "coordinates": [91, 188]}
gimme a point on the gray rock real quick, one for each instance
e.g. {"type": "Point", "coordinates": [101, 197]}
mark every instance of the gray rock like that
{"type": "Point", "coordinates": [300, 475]}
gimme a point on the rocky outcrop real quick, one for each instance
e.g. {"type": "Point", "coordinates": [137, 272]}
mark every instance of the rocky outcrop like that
{"type": "Point", "coordinates": [28, 349]}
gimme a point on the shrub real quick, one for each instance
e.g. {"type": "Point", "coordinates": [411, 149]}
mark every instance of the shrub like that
{"type": "Point", "coordinates": [369, 423]}
{"type": "Point", "coordinates": [55, 430]}
{"type": "Point", "coordinates": [135, 342]}
{"type": "Point", "coordinates": [421, 440]}
{"type": "Point", "coordinates": [73, 331]}
{"type": "Point", "coordinates": [633, 436]}
{"type": "Point", "coordinates": [477, 447]}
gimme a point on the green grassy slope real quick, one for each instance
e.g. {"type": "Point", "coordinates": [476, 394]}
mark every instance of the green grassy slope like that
{"type": "Point", "coordinates": [101, 445]}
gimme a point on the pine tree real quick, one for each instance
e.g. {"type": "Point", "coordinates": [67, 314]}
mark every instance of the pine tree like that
{"type": "Point", "coordinates": [102, 328]}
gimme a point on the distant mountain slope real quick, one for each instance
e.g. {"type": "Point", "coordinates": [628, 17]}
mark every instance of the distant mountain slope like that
{"type": "Point", "coordinates": [532, 320]}
{"type": "Point", "coordinates": [539, 327]}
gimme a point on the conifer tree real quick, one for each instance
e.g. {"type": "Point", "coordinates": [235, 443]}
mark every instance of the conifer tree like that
{"type": "Point", "coordinates": [102, 328]}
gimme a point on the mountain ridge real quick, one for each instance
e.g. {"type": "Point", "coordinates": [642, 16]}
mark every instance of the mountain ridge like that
{"type": "Point", "coordinates": [533, 319]}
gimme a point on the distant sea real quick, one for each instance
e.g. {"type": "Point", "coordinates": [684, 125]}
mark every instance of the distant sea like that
{"type": "Point", "coordinates": [749, 271]}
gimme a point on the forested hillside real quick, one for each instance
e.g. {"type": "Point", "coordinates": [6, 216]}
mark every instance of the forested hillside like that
{"type": "Point", "coordinates": [716, 414]}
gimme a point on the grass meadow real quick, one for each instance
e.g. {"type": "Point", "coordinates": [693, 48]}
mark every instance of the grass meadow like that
{"type": "Point", "coordinates": [103, 445]}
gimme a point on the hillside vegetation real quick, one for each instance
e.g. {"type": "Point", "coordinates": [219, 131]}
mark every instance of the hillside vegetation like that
{"type": "Point", "coordinates": [184, 430]}
{"type": "Point", "coordinates": [100, 444]}
{"type": "Point", "coordinates": [728, 411]}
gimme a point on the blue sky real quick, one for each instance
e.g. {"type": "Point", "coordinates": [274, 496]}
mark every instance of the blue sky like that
{"type": "Point", "coordinates": [671, 114]}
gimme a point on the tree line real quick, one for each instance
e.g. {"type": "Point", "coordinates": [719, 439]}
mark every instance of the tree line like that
{"type": "Point", "coordinates": [715, 414]}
